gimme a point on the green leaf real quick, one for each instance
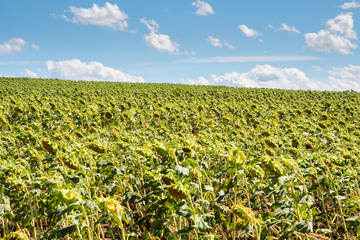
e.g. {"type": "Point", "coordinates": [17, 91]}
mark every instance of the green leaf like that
{"type": "Point", "coordinates": [338, 197]}
{"type": "Point", "coordinates": [102, 219]}
{"type": "Point", "coordinates": [182, 171]}
{"type": "Point", "coordinates": [5, 205]}
{"type": "Point", "coordinates": [285, 212]}
{"type": "Point", "coordinates": [183, 213]}
{"type": "Point", "coordinates": [209, 188]}
{"type": "Point", "coordinates": [62, 210]}
{"type": "Point", "coordinates": [91, 205]}
{"type": "Point", "coordinates": [185, 230]}
{"type": "Point", "coordinates": [283, 180]}
{"type": "Point", "coordinates": [61, 232]}
{"type": "Point", "coordinates": [353, 219]}
{"type": "Point", "coordinates": [158, 224]}
{"type": "Point", "coordinates": [304, 227]}
{"type": "Point", "coordinates": [274, 223]}
{"type": "Point", "coordinates": [200, 223]}
{"type": "Point", "coordinates": [308, 199]}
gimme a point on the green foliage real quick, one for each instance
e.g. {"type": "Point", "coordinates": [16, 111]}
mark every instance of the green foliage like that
{"type": "Point", "coordinates": [102, 160]}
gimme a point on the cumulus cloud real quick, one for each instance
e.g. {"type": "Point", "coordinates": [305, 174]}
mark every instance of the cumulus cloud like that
{"type": "Point", "coordinates": [337, 37]}
{"type": "Point", "coordinates": [346, 78]}
{"type": "Point", "coordinates": [107, 16]}
{"type": "Point", "coordinates": [215, 42]}
{"type": "Point", "coordinates": [160, 42]}
{"type": "Point", "coordinates": [204, 8]}
{"type": "Point", "coordinates": [349, 5]}
{"type": "Point", "coordinates": [93, 71]}
{"type": "Point", "coordinates": [248, 32]}
{"type": "Point", "coordinates": [285, 27]}
{"type": "Point", "coordinates": [30, 74]}
{"type": "Point", "coordinates": [11, 46]}
{"type": "Point", "coordinates": [263, 76]}
{"type": "Point", "coordinates": [200, 81]}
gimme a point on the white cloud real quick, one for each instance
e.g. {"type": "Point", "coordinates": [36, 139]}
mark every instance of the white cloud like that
{"type": "Point", "coordinates": [337, 37]}
{"type": "Point", "coordinates": [285, 27]}
{"type": "Point", "coordinates": [108, 16]}
{"type": "Point", "coordinates": [346, 78]}
{"type": "Point", "coordinates": [200, 81]}
{"type": "Point", "coordinates": [266, 76]}
{"type": "Point", "coordinates": [240, 59]}
{"type": "Point", "coordinates": [317, 68]}
{"type": "Point", "coordinates": [215, 42]}
{"type": "Point", "coordinates": [34, 46]}
{"type": "Point", "coordinates": [93, 71]}
{"type": "Point", "coordinates": [228, 45]}
{"type": "Point", "coordinates": [160, 42]}
{"type": "Point", "coordinates": [11, 46]}
{"type": "Point", "coordinates": [349, 5]}
{"type": "Point", "coordinates": [248, 32]}
{"type": "Point", "coordinates": [30, 74]}
{"type": "Point", "coordinates": [204, 8]}
{"type": "Point", "coordinates": [262, 76]}
{"type": "Point", "coordinates": [150, 24]}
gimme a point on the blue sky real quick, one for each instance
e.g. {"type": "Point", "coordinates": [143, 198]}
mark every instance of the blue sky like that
{"type": "Point", "coordinates": [259, 43]}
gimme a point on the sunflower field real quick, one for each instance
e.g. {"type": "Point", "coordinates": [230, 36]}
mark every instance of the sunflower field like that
{"type": "Point", "coordinates": [101, 160]}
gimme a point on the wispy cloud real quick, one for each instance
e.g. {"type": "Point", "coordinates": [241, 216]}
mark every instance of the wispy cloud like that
{"type": "Point", "coordinates": [34, 46]}
{"type": "Point", "coordinates": [215, 42]}
{"type": "Point", "coordinates": [248, 32]}
{"type": "Point", "coordinates": [285, 27]}
{"type": "Point", "coordinates": [204, 8]}
{"type": "Point", "coordinates": [239, 59]}
{"type": "Point", "coordinates": [349, 5]}
{"type": "Point", "coordinates": [20, 62]}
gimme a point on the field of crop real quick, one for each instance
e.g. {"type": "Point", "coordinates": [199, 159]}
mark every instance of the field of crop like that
{"type": "Point", "coordinates": [92, 160]}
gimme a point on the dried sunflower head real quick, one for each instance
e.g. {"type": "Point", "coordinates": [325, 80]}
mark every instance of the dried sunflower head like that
{"type": "Point", "coordinates": [246, 214]}
{"type": "Point", "coordinates": [48, 146]}
{"type": "Point", "coordinates": [256, 171]}
{"type": "Point", "coordinates": [96, 148]}
{"type": "Point", "coordinates": [108, 115]}
{"type": "Point", "coordinates": [272, 166]}
{"type": "Point", "coordinates": [178, 191]}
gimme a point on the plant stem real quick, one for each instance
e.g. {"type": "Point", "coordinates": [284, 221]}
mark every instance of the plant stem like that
{"type": "Point", "coordinates": [235, 201]}
{"type": "Point", "coordinates": [88, 228]}
{"type": "Point", "coordinates": [193, 210]}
